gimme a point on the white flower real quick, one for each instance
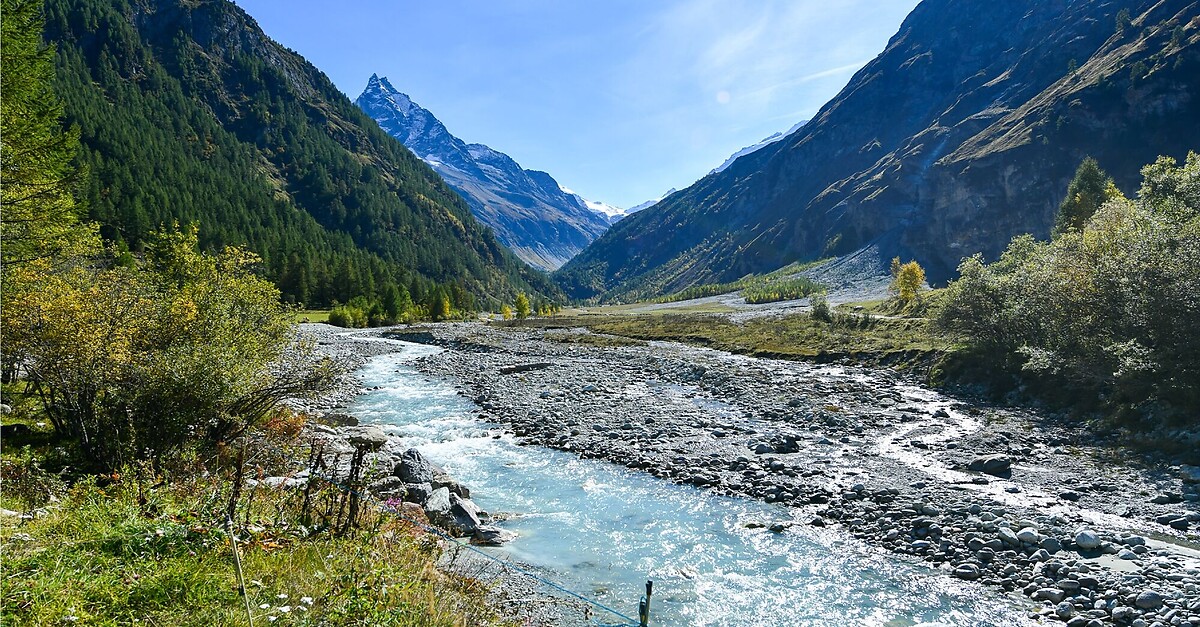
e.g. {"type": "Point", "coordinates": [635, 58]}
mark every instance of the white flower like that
{"type": "Point", "coordinates": [272, 618]}
{"type": "Point", "coordinates": [281, 596]}
{"type": "Point", "coordinates": [306, 600]}
{"type": "Point", "coordinates": [285, 609]}
{"type": "Point", "coordinates": [265, 606]}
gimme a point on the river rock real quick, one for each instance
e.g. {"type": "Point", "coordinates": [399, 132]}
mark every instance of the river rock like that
{"type": "Point", "coordinates": [437, 507]}
{"type": "Point", "coordinates": [1029, 535]}
{"type": "Point", "coordinates": [488, 535]}
{"type": "Point", "coordinates": [417, 492]}
{"type": "Point", "coordinates": [999, 465]}
{"type": "Point", "coordinates": [970, 572]}
{"type": "Point", "coordinates": [339, 420]}
{"type": "Point", "coordinates": [389, 487]}
{"type": "Point", "coordinates": [464, 514]}
{"type": "Point", "coordinates": [1053, 595]}
{"type": "Point", "coordinates": [1087, 539]}
{"type": "Point", "coordinates": [413, 467]}
{"type": "Point", "coordinates": [370, 438]}
{"type": "Point", "coordinates": [1008, 536]}
{"type": "Point", "coordinates": [1149, 600]}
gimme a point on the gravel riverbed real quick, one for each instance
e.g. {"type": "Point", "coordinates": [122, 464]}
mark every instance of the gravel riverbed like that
{"type": "Point", "coordinates": [1089, 531]}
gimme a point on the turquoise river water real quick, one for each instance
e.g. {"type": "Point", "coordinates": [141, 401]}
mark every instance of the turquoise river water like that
{"type": "Point", "coordinates": [602, 530]}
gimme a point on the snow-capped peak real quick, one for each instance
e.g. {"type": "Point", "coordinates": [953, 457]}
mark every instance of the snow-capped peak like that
{"type": "Point", "coordinates": [755, 147]}
{"type": "Point", "coordinates": [651, 203]}
{"type": "Point", "coordinates": [608, 211]}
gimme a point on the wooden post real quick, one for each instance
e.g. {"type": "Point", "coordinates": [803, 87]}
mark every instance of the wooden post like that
{"type": "Point", "coordinates": [644, 606]}
{"type": "Point", "coordinates": [237, 564]}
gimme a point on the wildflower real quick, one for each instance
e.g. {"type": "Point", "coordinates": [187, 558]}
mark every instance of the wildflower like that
{"type": "Point", "coordinates": [306, 600]}
{"type": "Point", "coordinates": [265, 606]}
{"type": "Point", "coordinates": [286, 609]}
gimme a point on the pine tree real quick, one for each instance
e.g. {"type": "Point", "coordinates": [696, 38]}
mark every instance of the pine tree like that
{"type": "Point", "coordinates": [1087, 191]}
{"type": "Point", "coordinates": [37, 206]}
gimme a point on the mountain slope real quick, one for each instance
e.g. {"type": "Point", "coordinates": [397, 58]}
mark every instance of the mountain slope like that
{"type": "Point", "coordinates": [189, 113]}
{"type": "Point", "coordinates": [529, 211]}
{"type": "Point", "coordinates": [962, 133]}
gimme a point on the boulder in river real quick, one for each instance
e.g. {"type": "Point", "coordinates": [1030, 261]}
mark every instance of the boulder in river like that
{"type": "Point", "coordinates": [413, 467]}
{"type": "Point", "coordinates": [998, 465]}
{"type": "Point", "coordinates": [488, 535]}
{"type": "Point", "coordinates": [464, 515]}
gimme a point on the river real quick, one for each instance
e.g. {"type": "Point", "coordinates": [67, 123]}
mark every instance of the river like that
{"type": "Point", "coordinates": [602, 530]}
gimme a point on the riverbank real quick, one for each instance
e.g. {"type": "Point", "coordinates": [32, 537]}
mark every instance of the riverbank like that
{"type": "Point", "coordinates": [865, 451]}
{"type": "Point", "coordinates": [514, 596]}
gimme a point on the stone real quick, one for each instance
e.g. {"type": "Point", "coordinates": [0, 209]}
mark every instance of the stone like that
{"type": "Point", "coordinates": [488, 535]}
{"type": "Point", "coordinates": [339, 420]}
{"type": "Point", "coordinates": [1122, 613]}
{"type": "Point", "coordinates": [414, 468]}
{"type": "Point", "coordinates": [1149, 600]}
{"type": "Point", "coordinates": [1064, 610]}
{"type": "Point", "coordinates": [389, 487]}
{"type": "Point", "coordinates": [1008, 536]}
{"type": "Point", "coordinates": [370, 438]}
{"type": "Point", "coordinates": [417, 492]}
{"type": "Point", "coordinates": [1087, 539]}
{"type": "Point", "coordinates": [1052, 545]}
{"type": "Point", "coordinates": [999, 465]}
{"type": "Point", "coordinates": [437, 506]}
{"type": "Point", "coordinates": [1053, 595]}
{"type": "Point", "coordinates": [970, 572]}
{"type": "Point", "coordinates": [1029, 535]}
{"type": "Point", "coordinates": [464, 514]}
{"type": "Point", "coordinates": [763, 448]}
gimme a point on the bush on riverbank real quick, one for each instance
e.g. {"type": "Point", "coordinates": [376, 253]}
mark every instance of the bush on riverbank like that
{"type": "Point", "coordinates": [1106, 310]}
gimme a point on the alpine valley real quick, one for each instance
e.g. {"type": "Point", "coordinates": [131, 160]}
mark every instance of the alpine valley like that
{"type": "Point", "coordinates": [960, 135]}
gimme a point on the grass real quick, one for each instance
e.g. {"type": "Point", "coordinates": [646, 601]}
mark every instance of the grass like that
{"type": "Point", "coordinates": [313, 315]}
{"type": "Point", "coordinates": [862, 337]}
{"type": "Point", "coordinates": [121, 551]}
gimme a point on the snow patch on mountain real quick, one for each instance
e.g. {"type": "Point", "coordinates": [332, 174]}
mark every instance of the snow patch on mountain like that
{"type": "Point", "coordinates": [756, 147]}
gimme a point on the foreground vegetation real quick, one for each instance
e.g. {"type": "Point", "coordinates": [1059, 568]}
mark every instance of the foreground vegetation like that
{"type": "Point", "coordinates": [135, 548]}
{"type": "Point", "coordinates": [1108, 309]}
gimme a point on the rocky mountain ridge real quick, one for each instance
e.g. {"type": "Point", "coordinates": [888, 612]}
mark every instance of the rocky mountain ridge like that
{"type": "Point", "coordinates": [529, 211]}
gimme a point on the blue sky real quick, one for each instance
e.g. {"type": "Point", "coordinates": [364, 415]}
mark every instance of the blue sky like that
{"type": "Point", "coordinates": [619, 100]}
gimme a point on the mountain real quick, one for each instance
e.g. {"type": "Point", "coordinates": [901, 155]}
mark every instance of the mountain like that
{"type": "Point", "coordinates": [189, 113]}
{"type": "Point", "coordinates": [961, 134]}
{"type": "Point", "coordinates": [610, 213]}
{"type": "Point", "coordinates": [531, 214]}
{"type": "Point", "coordinates": [755, 147]}
{"type": "Point", "coordinates": [649, 203]}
